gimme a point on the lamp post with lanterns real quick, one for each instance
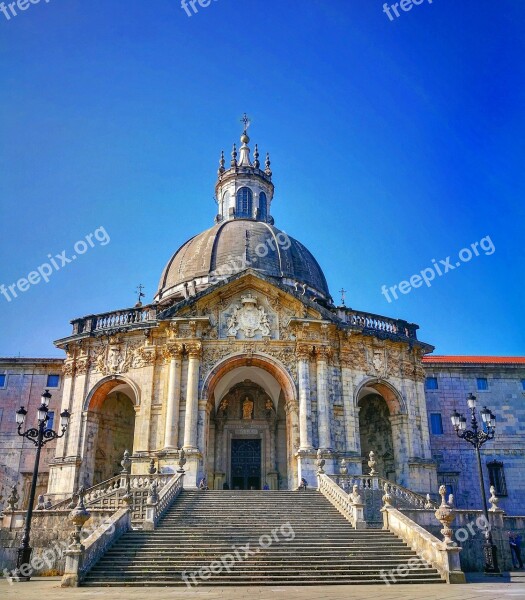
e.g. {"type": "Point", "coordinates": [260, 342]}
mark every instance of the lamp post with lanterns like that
{"type": "Point", "coordinates": [40, 436]}
{"type": "Point", "coordinates": [477, 436]}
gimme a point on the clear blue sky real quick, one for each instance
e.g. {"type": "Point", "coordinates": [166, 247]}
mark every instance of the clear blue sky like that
{"type": "Point", "coordinates": [393, 143]}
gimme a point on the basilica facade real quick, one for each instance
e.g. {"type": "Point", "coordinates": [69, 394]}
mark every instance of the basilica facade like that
{"type": "Point", "coordinates": [243, 361]}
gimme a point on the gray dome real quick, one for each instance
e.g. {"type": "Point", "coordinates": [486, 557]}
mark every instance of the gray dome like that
{"type": "Point", "coordinates": [236, 245]}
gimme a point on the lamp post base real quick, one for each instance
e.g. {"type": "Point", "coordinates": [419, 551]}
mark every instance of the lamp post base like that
{"type": "Point", "coordinates": [23, 563]}
{"type": "Point", "coordinates": [491, 559]}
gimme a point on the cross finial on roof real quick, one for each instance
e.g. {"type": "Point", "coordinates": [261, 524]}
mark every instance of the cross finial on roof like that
{"type": "Point", "coordinates": [140, 294]}
{"type": "Point", "coordinates": [246, 122]}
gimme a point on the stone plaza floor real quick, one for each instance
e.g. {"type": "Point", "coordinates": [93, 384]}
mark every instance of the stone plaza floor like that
{"type": "Point", "coordinates": [478, 588]}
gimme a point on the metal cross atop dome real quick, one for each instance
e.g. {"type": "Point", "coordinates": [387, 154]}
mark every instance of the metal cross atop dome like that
{"type": "Point", "coordinates": [246, 122]}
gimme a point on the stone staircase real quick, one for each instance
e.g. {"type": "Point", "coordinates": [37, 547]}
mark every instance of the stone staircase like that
{"type": "Point", "coordinates": [210, 531]}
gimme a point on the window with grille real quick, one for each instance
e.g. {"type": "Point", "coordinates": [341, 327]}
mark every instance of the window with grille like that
{"type": "Point", "coordinates": [244, 205]}
{"type": "Point", "coordinates": [497, 477]}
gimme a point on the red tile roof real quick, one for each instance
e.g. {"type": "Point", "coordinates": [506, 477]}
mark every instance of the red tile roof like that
{"type": "Point", "coordinates": [502, 360]}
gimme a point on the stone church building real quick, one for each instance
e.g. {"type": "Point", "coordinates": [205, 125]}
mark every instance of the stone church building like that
{"type": "Point", "coordinates": [244, 361]}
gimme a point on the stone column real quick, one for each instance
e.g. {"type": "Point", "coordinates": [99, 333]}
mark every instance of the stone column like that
{"type": "Point", "coordinates": [303, 373]}
{"type": "Point", "coordinates": [171, 434]}
{"type": "Point", "coordinates": [352, 441]}
{"type": "Point", "coordinates": [194, 350]}
{"type": "Point", "coordinates": [323, 406]}
{"type": "Point", "coordinates": [400, 436]}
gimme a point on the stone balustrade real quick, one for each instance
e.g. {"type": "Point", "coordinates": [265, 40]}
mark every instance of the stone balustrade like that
{"type": "Point", "coordinates": [378, 323]}
{"type": "Point", "coordinates": [118, 319]}
{"type": "Point", "coordinates": [350, 507]}
{"type": "Point", "coordinates": [156, 507]}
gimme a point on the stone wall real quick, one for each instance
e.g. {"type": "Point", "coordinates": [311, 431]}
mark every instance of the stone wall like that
{"type": "Point", "coordinates": [26, 379]}
{"type": "Point", "coordinates": [50, 533]}
{"type": "Point", "coordinates": [456, 458]}
{"type": "Point", "coordinates": [468, 529]}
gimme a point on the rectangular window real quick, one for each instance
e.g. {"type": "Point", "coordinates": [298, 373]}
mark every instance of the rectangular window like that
{"type": "Point", "coordinates": [483, 384]}
{"type": "Point", "coordinates": [497, 477]}
{"type": "Point", "coordinates": [436, 423]}
{"type": "Point", "coordinates": [50, 419]}
{"type": "Point", "coordinates": [53, 381]}
{"type": "Point", "coordinates": [431, 383]}
{"type": "Point", "coordinates": [3, 379]}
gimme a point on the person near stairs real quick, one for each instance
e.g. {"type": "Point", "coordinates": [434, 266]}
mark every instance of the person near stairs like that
{"type": "Point", "coordinates": [304, 484]}
{"type": "Point", "coordinates": [515, 549]}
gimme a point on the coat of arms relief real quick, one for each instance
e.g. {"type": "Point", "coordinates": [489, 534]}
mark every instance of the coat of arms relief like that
{"type": "Point", "coordinates": [249, 318]}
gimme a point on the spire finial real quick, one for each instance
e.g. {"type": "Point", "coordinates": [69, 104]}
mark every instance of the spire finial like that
{"type": "Point", "coordinates": [140, 294]}
{"type": "Point", "coordinates": [267, 163]}
{"type": "Point", "coordinates": [256, 162]}
{"type": "Point", "coordinates": [246, 122]}
{"type": "Point", "coordinates": [234, 156]}
{"type": "Point", "coordinates": [221, 164]}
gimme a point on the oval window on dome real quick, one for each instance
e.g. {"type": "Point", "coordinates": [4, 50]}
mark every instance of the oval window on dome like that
{"type": "Point", "coordinates": [263, 207]}
{"type": "Point", "coordinates": [244, 204]}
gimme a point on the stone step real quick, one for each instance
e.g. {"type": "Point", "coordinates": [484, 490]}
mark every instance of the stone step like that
{"type": "Point", "coordinates": [201, 527]}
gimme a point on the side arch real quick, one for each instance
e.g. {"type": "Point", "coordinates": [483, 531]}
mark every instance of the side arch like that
{"type": "Point", "coordinates": [392, 396]}
{"type": "Point", "coordinates": [102, 388]}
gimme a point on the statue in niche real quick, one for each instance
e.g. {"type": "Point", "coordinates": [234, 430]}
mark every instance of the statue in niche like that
{"type": "Point", "coordinates": [223, 406]}
{"type": "Point", "coordinates": [269, 405]}
{"type": "Point", "coordinates": [247, 409]}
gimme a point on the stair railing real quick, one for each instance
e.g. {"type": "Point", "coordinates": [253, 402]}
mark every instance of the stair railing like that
{"type": "Point", "coordinates": [158, 504]}
{"type": "Point", "coordinates": [405, 497]}
{"type": "Point", "coordinates": [349, 505]}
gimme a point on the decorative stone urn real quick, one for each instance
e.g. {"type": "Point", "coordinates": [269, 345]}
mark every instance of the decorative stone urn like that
{"type": "Point", "coordinates": [372, 463]}
{"type": "Point", "coordinates": [320, 462]}
{"type": "Point", "coordinates": [445, 515]}
{"type": "Point", "coordinates": [182, 461]}
{"type": "Point", "coordinates": [494, 500]}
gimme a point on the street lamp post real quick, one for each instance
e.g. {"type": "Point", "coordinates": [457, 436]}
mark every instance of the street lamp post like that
{"type": "Point", "coordinates": [477, 437]}
{"type": "Point", "coordinates": [40, 436]}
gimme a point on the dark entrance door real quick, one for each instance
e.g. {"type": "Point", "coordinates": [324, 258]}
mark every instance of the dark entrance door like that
{"type": "Point", "coordinates": [246, 464]}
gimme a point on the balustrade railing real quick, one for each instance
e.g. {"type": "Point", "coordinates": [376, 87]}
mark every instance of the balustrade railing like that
{"type": "Point", "coordinates": [115, 320]}
{"type": "Point", "coordinates": [378, 323]}
{"type": "Point", "coordinates": [109, 494]}
{"type": "Point", "coordinates": [372, 488]}
{"type": "Point", "coordinates": [337, 496]}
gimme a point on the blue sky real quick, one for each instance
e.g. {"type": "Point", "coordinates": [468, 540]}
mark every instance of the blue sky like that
{"type": "Point", "coordinates": [393, 143]}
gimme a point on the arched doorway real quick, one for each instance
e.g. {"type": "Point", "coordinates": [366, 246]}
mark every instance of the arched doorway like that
{"type": "Point", "coordinates": [251, 425]}
{"type": "Point", "coordinates": [109, 428]}
{"type": "Point", "coordinates": [116, 426]}
{"type": "Point", "coordinates": [383, 429]}
{"type": "Point", "coordinates": [375, 433]}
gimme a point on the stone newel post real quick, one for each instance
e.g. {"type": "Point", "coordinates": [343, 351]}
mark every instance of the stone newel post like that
{"type": "Point", "coordinates": [75, 551]}
{"type": "Point", "coordinates": [358, 508]}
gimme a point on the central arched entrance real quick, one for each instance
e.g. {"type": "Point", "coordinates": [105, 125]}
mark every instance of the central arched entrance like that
{"type": "Point", "coordinates": [251, 425]}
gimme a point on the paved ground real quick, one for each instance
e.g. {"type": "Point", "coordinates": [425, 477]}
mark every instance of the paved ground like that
{"type": "Point", "coordinates": [479, 588]}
